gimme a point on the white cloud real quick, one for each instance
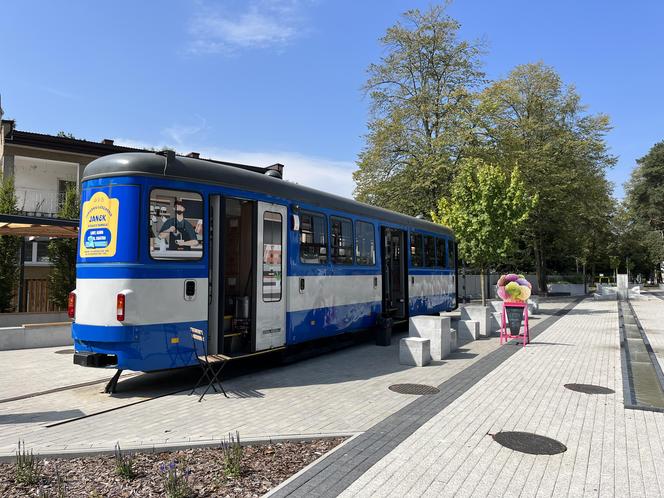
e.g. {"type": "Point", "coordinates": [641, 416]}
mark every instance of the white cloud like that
{"type": "Point", "coordinates": [252, 24]}
{"type": "Point", "coordinates": [329, 175]}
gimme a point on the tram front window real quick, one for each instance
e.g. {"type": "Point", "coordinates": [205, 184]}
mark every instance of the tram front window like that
{"type": "Point", "coordinates": [175, 227]}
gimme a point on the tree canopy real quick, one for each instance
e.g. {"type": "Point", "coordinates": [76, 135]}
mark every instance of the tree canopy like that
{"type": "Point", "coordinates": [421, 106]}
{"type": "Point", "coordinates": [645, 190]}
{"type": "Point", "coordinates": [431, 108]}
{"type": "Point", "coordinates": [531, 118]}
{"type": "Point", "coordinates": [486, 208]}
{"type": "Point", "coordinates": [9, 247]}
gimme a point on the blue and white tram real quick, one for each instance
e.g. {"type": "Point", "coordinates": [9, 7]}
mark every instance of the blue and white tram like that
{"type": "Point", "coordinates": [170, 243]}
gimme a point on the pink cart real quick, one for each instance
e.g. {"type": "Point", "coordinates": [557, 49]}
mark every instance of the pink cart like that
{"type": "Point", "coordinates": [515, 310]}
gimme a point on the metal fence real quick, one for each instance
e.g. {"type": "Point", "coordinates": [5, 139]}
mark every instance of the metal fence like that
{"type": "Point", "coordinates": [473, 283]}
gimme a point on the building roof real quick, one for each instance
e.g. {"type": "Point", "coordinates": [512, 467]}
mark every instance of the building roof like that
{"type": "Point", "coordinates": [63, 144]}
{"type": "Point", "coordinates": [96, 149]}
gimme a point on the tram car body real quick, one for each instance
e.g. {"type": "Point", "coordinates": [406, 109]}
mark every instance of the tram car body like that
{"type": "Point", "coordinates": [170, 243]}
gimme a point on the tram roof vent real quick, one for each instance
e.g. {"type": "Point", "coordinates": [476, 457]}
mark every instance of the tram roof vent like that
{"type": "Point", "coordinates": [273, 173]}
{"type": "Point", "coordinates": [194, 155]}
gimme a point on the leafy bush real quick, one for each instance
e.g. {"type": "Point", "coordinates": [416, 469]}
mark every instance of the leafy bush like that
{"type": "Point", "coordinates": [176, 484]}
{"type": "Point", "coordinates": [62, 255]}
{"type": "Point", "coordinates": [232, 451]}
{"type": "Point", "coordinates": [28, 468]}
{"type": "Point", "coordinates": [9, 247]}
{"type": "Point", "coordinates": [124, 464]}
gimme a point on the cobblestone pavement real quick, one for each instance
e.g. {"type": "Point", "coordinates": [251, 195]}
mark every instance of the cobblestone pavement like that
{"type": "Point", "coordinates": [339, 393]}
{"type": "Point", "coordinates": [437, 445]}
{"type": "Point", "coordinates": [611, 451]}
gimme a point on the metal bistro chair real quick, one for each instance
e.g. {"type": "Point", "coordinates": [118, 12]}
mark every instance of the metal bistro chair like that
{"type": "Point", "coordinates": [212, 365]}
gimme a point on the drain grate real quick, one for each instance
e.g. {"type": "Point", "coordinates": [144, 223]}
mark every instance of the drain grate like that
{"type": "Point", "coordinates": [527, 442]}
{"type": "Point", "coordinates": [65, 351]}
{"type": "Point", "coordinates": [589, 389]}
{"type": "Point", "coordinates": [418, 389]}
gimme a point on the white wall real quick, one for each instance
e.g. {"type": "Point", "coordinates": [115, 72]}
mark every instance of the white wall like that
{"type": "Point", "coordinates": [36, 182]}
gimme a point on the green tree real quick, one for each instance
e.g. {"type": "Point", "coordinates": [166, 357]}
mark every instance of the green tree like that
{"type": "Point", "coordinates": [64, 134]}
{"type": "Point", "coordinates": [645, 190]}
{"type": "Point", "coordinates": [485, 209]}
{"type": "Point", "coordinates": [62, 255]}
{"type": "Point", "coordinates": [614, 263]}
{"type": "Point", "coordinates": [532, 119]}
{"type": "Point", "coordinates": [9, 247]}
{"type": "Point", "coordinates": [420, 118]}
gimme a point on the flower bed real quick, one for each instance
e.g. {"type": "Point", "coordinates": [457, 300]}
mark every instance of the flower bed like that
{"type": "Point", "coordinates": [248, 471]}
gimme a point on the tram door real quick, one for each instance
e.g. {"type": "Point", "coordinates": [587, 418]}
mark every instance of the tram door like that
{"type": "Point", "coordinates": [394, 269]}
{"type": "Point", "coordinates": [271, 259]}
{"type": "Point", "coordinates": [215, 302]}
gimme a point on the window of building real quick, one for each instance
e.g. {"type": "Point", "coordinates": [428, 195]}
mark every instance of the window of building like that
{"type": "Point", "coordinates": [365, 245]}
{"type": "Point", "coordinates": [341, 238]}
{"type": "Point", "coordinates": [429, 251]}
{"type": "Point", "coordinates": [441, 253]}
{"type": "Point", "coordinates": [36, 251]}
{"type": "Point", "coordinates": [175, 226]}
{"type": "Point", "coordinates": [416, 249]}
{"type": "Point", "coordinates": [313, 238]}
{"type": "Point", "coordinates": [272, 261]}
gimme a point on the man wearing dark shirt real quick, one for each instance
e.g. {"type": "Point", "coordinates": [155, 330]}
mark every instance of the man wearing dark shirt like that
{"type": "Point", "coordinates": [178, 231]}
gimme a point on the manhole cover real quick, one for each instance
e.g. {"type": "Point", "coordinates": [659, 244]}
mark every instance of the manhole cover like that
{"type": "Point", "coordinates": [527, 442]}
{"type": "Point", "coordinates": [413, 389]}
{"type": "Point", "coordinates": [65, 351]}
{"type": "Point", "coordinates": [589, 389]}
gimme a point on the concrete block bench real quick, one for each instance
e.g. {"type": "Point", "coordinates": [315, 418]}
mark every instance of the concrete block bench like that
{"type": "Point", "coordinates": [37, 335]}
{"type": "Point", "coordinates": [436, 329]}
{"type": "Point", "coordinates": [469, 330]}
{"type": "Point", "coordinates": [480, 314]}
{"type": "Point", "coordinates": [414, 351]}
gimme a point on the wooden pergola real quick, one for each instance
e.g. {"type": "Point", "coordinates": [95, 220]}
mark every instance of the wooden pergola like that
{"type": "Point", "coordinates": [34, 226]}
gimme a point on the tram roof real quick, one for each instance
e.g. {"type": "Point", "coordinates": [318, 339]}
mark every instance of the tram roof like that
{"type": "Point", "coordinates": [240, 177]}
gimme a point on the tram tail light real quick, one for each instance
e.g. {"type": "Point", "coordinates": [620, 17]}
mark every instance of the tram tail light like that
{"type": "Point", "coordinates": [121, 307]}
{"type": "Point", "coordinates": [71, 305]}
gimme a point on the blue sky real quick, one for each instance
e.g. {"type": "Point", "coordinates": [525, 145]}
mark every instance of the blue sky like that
{"type": "Point", "coordinates": [264, 81]}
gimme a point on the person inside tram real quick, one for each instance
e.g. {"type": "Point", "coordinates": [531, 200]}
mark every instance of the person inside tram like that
{"type": "Point", "coordinates": [177, 231]}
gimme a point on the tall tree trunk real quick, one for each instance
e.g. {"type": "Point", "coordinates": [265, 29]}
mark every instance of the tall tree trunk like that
{"type": "Point", "coordinates": [540, 269]}
{"type": "Point", "coordinates": [483, 286]}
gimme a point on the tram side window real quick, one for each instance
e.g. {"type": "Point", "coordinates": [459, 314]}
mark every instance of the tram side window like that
{"type": "Point", "coordinates": [272, 262]}
{"type": "Point", "coordinates": [175, 226]}
{"type": "Point", "coordinates": [365, 245]}
{"type": "Point", "coordinates": [440, 253]}
{"type": "Point", "coordinates": [429, 251]}
{"type": "Point", "coordinates": [416, 249]}
{"type": "Point", "coordinates": [313, 238]}
{"type": "Point", "coordinates": [341, 238]}
{"type": "Point", "coordinates": [450, 253]}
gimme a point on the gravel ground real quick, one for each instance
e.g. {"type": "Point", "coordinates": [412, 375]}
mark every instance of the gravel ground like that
{"type": "Point", "coordinates": [262, 468]}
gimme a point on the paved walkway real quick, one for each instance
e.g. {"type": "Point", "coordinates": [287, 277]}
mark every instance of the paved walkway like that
{"type": "Point", "coordinates": [610, 451]}
{"type": "Point", "coordinates": [405, 445]}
